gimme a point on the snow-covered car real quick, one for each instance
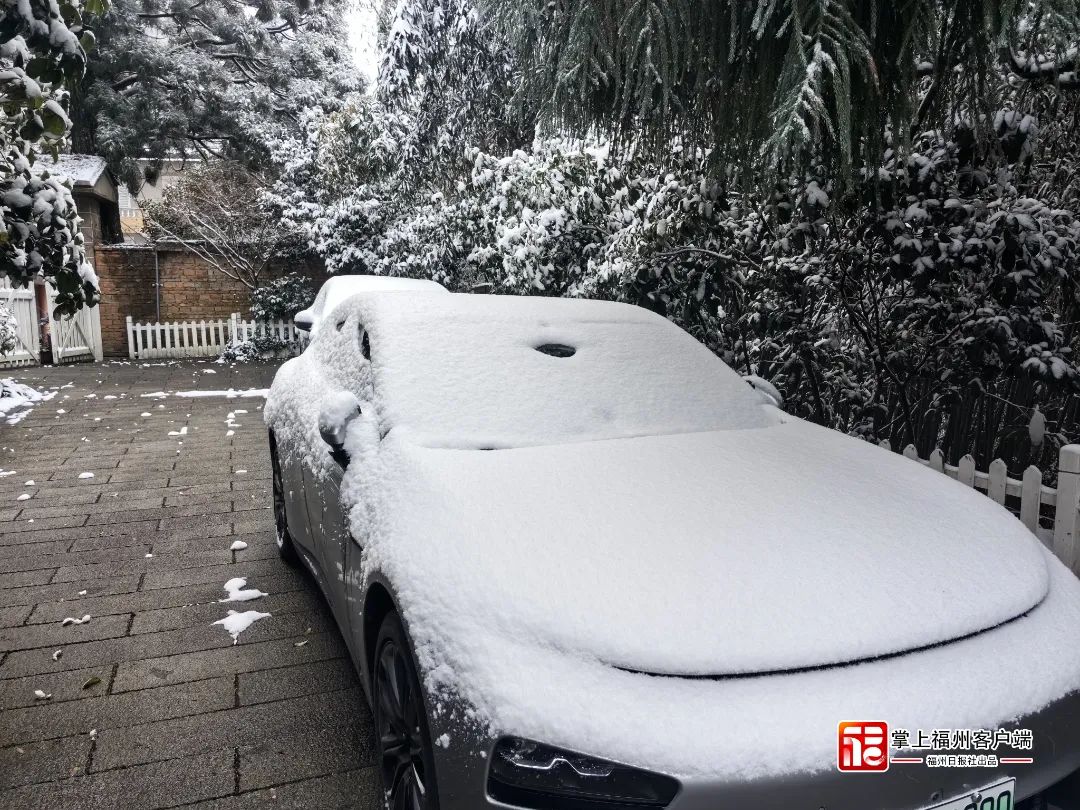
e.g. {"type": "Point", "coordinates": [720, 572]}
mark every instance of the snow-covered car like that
{"type": "Point", "coordinates": [339, 288]}
{"type": "Point", "coordinates": [579, 563]}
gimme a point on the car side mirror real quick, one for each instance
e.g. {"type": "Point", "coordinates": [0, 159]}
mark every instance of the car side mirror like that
{"type": "Point", "coordinates": [334, 418]}
{"type": "Point", "coordinates": [303, 320]}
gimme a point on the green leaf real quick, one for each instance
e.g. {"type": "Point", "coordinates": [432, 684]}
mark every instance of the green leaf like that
{"type": "Point", "coordinates": [88, 41]}
{"type": "Point", "coordinates": [96, 6]}
{"type": "Point", "coordinates": [54, 123]}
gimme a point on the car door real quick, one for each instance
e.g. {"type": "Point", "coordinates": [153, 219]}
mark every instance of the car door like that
{"type": "Point", "coordinates": [331, 533]}
{"type": "Point", "coordinates": [294, 490]}
{"type": "Point", "coordinates": [329, 522]}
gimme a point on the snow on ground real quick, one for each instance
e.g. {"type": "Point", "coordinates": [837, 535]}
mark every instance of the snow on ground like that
{"type": "Point", "coordinates": [238, 545]}
{"type": "Point", "coordinates": [17, 400]}
{"type": "Point", "coordinates": [230, 393]}
{"type": "Point", "coordinates": [237, 591]}
{"type": "Point", "coordinates": [236, 623]}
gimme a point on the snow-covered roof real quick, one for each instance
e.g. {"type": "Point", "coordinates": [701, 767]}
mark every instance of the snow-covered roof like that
{"type": "Point", "coordinates": [459, 370]}
{"type": "Point", "coordinates": [84, 170]}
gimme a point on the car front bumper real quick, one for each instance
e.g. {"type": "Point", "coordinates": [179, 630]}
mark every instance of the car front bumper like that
{"type": "Point", "coordinates": [462, 774]}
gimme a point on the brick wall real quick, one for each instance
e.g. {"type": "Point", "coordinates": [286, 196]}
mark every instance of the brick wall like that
{"type": "Point", "coordinates": [191, 289]}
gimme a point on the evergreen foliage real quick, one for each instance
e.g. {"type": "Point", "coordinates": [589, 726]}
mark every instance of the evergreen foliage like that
{"type": "Point", "coordinates": [207, 79]}
{"type": "Point", "coordinates": [792, 81]}
{"type": "Point", "coordinates": [42, 52]}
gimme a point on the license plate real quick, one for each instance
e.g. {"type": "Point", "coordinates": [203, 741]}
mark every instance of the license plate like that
{"type": "Point", "coordinates": [998, 796]}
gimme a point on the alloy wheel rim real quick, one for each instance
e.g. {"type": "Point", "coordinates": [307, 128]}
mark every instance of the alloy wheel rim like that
{"type": "Point", "coordinates": [400, 737]}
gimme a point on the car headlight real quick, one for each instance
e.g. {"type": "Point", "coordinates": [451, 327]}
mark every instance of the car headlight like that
{"type": "Point", "coordinates": [524, 773]}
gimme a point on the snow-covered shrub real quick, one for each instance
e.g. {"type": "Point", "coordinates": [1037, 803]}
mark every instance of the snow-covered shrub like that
{"type": "Point", "coordinates": [281, 298]}
{"type": "Point", "coordinates": [893, 307]}
{"type": "Point", "coordinates": [256, 348]}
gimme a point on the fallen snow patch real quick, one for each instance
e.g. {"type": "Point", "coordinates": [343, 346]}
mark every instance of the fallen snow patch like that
{"type": "Point", "coordinates": [16, 400]}
{"type": "Point", "coordinates": [236, 623]}
{"type": "Point", "coordinates": [86, 475]}
{"type": "Point", "coordinates": [70, 620]}
{"type": "Point", "coordinates": [238, 592]}
{"type": "Point", "coordinates": [238, 545]}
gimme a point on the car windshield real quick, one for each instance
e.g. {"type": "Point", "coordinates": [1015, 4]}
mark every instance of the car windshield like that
{"type": "Point", "coordinates": [494, 372]}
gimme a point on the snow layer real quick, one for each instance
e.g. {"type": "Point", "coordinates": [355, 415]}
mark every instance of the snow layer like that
{"type": "Point", "coordinates": [464, 371]}
{"type": "Point", "coordinates": [734, 563]}
{"type": "Point", "coordinates": [17, 399]}
{"type": "Point", "coordinates": [523, 621]}
{"type": "Point", "coordinates": [340, 288]}
{"type": "Point", "coordinates": [766, 726]}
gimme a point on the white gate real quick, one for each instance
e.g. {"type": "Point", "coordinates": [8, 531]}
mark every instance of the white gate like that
{"type": "Point", "coordinates": [21, 303]}
{"type": "Point", "coordinates": [75, 338]}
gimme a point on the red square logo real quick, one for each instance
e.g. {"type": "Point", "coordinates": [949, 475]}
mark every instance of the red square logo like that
{"type": "Point", "coordinates": [863, 747]}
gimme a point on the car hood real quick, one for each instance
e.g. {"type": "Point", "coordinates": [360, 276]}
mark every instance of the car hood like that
{"type": "Point", "coordinates": [706, 554]}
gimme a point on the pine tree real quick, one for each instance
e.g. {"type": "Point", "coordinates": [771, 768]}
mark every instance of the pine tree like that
{"type": "Point", "coordinates": [790, 80]}
{"type": "Point", "coordinates": [213, 78]}
{"type": "Point", "coordinates": [453, 75]}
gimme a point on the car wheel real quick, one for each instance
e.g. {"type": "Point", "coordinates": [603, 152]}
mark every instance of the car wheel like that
{"type": "Point", "coordinates": [406, 764]}
{"type": "Point", "coordinates": [285, 545]}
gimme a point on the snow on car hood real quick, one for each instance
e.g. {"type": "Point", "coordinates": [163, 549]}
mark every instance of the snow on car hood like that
{"type": "Point", "coordinates": [729, 552]}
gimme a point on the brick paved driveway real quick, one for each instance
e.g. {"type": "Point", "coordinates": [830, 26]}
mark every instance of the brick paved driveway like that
{"type": "Point", "coordinates": [152, 705]}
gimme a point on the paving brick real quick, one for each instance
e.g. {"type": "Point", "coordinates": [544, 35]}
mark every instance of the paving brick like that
{"type": "Point", "coordinates": [14, 616]}
{"type": "Point", "coordinates": [63, 685]}
{"type": "Point", "coordinates": [329, 713]}
{"type": "Point", "coordinates": [12, 557]}
{"type": "Point", "coordinates": [54, 553]}
{"type": "Point", "coordinates": [214, 573]}
{"type": "Point", "coordinates": [239, 658]}
{"type": "Point", "coordinates": [66, 591]}
{"type": "Point", "coordinates": [55, 635]}
{"type": "Point", "coordinates": [357, 789]}
{"type": "Point", "coordinates": [160, 598]}
{"type": "Point", "coordinates": [265, 685]}
{"type": "Point", "coordinates": [157, 563]}
{"type": "Point", "coordinates": [161, 784]}
{"type": "Point", "coordinates": [13, 528]}
{"type": "Point", "coordinates": [43, 761]}
{"type": "Point", "coordinates": [150, 645]}
{"type": "Point", "coordinates": [62, 719]}
{"type": "Point", "coordinates": [21, 579]}
{"type": "Point", "coordinates": [190, 615]}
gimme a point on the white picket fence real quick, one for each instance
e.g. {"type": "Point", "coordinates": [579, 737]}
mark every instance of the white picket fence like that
{"type": "Point", "coordinates": [1033, 495]}
{"type": "Point", "coordinates": [21, 303]}
{"type": "Point", "coordinates": [174, 339]}
{"type": "Point", "coordinates": [70, 339]}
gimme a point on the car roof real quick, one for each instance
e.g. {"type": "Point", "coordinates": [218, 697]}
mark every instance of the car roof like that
{"type": "Point", "coordinates": [337, 289]}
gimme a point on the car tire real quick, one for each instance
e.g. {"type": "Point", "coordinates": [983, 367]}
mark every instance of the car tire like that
{"type": "Point", "coordinates": [286, 547]}
{"type": "Point", "coordinates": [406, 763]}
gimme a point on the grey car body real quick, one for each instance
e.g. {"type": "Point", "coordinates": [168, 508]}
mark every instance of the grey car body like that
{"type": "Point", "coordinates": [361, 598]}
